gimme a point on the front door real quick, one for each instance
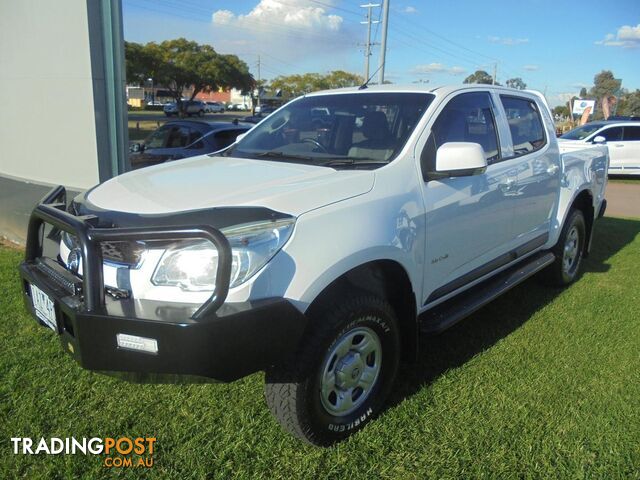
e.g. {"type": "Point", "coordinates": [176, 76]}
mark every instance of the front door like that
{"type": "Point", "coordinates": [468, 219]}
{"type": "Point", "coordinates": [613, 136]}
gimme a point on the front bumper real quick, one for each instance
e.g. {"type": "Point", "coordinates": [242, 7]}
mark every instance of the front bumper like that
{"type": "Point", "coordinates": [217, 340]}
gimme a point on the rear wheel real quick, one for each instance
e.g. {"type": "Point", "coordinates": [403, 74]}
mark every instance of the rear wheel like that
{"type": "Point", "coordinates": [343, 372]}
{"type": "Point", "coordinates": [568, 251]}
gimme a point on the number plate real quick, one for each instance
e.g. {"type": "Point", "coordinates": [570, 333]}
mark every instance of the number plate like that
{"type": "Point", "coordinates": [44, 307]}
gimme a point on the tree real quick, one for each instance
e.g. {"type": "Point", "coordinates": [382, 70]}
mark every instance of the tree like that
{"type": "Point", "coordinates": [180, 65]}
{"type": "Point", "coordinates": [292, 85]}
{"type": "Point", "coordinates": [516, 83]}
{"type": "Point", "coordinates": [630, 104]}
{"type": "Point", "coordinates": [583, 92]}
{"type": "Point", "coordinates": [561, 110]}
{"type": "Point", "coordinates": [479, 76]}
{"type": "Point", "coordinates": [604, 83]}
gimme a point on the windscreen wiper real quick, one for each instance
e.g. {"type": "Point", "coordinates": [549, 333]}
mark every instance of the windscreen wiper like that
{"type": "Point", "coordinates": [282, 155]}
{"type": "Point", "coordinates": [349, 161]}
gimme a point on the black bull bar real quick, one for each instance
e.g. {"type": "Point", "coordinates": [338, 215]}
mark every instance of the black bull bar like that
{"type": "Point", "coordinates": [52, 210]}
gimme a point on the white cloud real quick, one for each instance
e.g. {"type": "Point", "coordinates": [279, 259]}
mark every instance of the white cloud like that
{"type": "Point", "coordinates": [293, 13]}
{"type": "Point", "coordinates": [222, 17]}
{"type": "Point", "coordinates": [294, 30]}
{"type": "Point", "coordinates": [560, 98]}
{"type": "Point", "coordinates": [456, 70]}
{"type": "Point", "coordinates": [626, 37]}
{"type": "Point", "coordinates": [507, 40]}
{"type": "Point", "coordinates": [410, 9]}
{"type": "Point", "coordinates": [530, 68]}
{"type": "Point", "coordinates": [436, 68]}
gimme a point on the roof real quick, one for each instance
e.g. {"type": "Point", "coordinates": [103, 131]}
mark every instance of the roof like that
{"type": "Point", "coordinates": [602, 123]}
{"type": "Point", "coordinates": [213, 124]}
{"type": "Point", "coordinates": [411, 88]}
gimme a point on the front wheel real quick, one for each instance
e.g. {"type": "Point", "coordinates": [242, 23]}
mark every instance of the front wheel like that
{"type": "Point", "coordinates": [568, 251]}
{"type": "Point", "coordinates": [342, 374]}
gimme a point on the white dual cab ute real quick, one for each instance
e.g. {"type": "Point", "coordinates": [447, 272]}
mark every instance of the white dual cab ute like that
{"type": "Point", "coordinates": [317, 248]}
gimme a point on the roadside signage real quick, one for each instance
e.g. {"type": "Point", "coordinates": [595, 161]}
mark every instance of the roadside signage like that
{"type": "Point", "coordinates": [579, 106]}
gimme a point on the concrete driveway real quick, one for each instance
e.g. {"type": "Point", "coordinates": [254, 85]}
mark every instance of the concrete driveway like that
{"type": "Point", "coordinates": [623, 200]}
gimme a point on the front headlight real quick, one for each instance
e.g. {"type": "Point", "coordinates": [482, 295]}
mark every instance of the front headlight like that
{"type": "Point", "coordinates": [193, 266]}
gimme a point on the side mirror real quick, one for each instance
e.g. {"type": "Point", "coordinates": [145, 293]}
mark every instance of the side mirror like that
{"type": "Point", "coordinates": [240, 137]}
{"type": "Point", "coordinates": [136, 147]}
{"type": "Point", "coordinates": [460, 159]}
{"type": "Point", "coordinates": [599, 139]}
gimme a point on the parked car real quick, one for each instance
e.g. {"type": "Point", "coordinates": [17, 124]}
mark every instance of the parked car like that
{"type": "Point", "coordinates": [191, 107]}
{"type": "Point", "coordinates": [238, 107]}
{"type": "Point", "coordinates": [265, 109]}
{"type": "Point", "coordinates": [257, 118]}
{"type": "Point", "coordinates": [182, 139]}
{"type": "Point", "coordinates": [318, 255]}
{"type": "Point", "coordinates": [622, 137]}
{"type": "Point", "coordinates": [214, 107]}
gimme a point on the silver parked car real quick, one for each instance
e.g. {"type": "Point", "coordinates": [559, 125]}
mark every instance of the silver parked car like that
{"type": "Point", "coordinates": [191, 107]}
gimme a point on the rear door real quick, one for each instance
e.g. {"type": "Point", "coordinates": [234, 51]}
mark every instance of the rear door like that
{"type": "Point", "coordinates": [631, 148]}
{"type": "Point", "coordinates": [537, 161]}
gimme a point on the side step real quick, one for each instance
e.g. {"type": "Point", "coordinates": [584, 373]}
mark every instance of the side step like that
{"type": "Point", "coordinates": [457, 308]}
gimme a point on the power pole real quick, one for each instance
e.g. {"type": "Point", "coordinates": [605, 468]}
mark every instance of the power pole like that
{"type": "Point", "coordinates": [367, 49]}
{"type": "Point", "coordinates": [383, 46]}
{"type": "Point", "coordinates": [495, 73]}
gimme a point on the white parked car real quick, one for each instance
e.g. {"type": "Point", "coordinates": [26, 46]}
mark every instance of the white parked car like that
{"type": "Point", "coordinates": [622, 137]}
{"type": "Point", "coordinates": [214, 107]}
{"type": "Point", "coordinates": [317, 251]}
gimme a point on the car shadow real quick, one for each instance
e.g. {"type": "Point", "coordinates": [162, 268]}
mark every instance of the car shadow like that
{"type": "Point", "coordinates": [480, 331]}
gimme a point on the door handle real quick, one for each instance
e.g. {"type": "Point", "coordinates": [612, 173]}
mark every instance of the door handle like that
{"type": "Point", "coordinates": [618, 145]}
{"type": "Point", "coordinates": [553, 169]}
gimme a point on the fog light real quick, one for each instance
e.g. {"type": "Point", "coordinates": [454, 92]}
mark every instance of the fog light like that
{"type": "Point", "coordinates": [139, 344]}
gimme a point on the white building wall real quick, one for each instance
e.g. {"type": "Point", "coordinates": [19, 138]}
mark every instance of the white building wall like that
{"type": "Point", "coordinates": [47, 125]}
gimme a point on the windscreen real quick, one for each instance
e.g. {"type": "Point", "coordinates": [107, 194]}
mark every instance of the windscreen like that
{"type": "Point", "coordinates": [354, 130]}
{"type": "Point", "coordinates": [582, 132]}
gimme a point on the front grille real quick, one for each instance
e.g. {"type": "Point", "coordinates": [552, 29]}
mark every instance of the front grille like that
{"type": "Point", "coordinates": [128, 253]}
{"type": "Point", "coordinates": [125, 253]}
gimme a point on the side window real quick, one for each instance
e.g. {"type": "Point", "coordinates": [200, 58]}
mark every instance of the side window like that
{"type": "Point", "coordinates": [226, 137]}
{"type": "Point", "coordinates": [466, 118]}
{"type": "Point", "coordinates": [158, 139]}
{"type": "Point", "coordinates": [195, 139]}
{"type": "Point", "coordinates": [178, 138]}
{"type": "Point", "coordinates": [631, 134]}
{"type": "Point", "coordinates": [525, 124]}
{"type": "Point", "coordinates": [613, 134]}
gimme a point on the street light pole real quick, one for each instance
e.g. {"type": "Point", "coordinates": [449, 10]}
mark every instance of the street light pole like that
{"type": "Point", "coordinates": [153, 92]}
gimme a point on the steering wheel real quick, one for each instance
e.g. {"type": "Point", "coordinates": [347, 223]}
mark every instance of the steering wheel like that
{"type": "Point", "coordinates": [322, 148]}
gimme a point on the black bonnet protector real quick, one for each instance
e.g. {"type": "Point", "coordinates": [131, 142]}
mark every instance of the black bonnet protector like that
{"type": "Point", "coordinates": [216, 217]}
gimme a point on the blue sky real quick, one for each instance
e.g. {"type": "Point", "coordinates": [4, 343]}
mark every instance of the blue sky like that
{"type": "Point", "coordinates": [555, 46]}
